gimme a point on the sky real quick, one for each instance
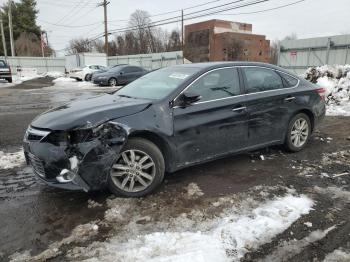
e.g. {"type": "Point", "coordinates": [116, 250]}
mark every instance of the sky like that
{"type": "Point", "coordinates": [309, 18]}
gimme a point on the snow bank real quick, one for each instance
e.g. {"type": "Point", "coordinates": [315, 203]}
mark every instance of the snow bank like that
{"type": "Point", "coordinates": [226, 237]}
{"type": "Point", "coordinates": [54, 74]}
{"type": "Point", "coordinates": [336, 81]}
{"type": "Point", "coordinates": [11, 160]}
{"type": "Point", "coordinates": [70, 83]}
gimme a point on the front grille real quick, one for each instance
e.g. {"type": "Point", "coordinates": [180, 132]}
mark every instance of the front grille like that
{"type": "Point", "coordinates": [35, 135]}
{"type": "Point", "coordinates": [37, 165]}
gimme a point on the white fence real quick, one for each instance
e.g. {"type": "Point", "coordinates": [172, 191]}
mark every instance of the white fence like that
{"type": "Point", "coordinates": [148, 61]}
{"type": "Point", "coordinates": [298, 55]}
{"type": "Point", "coordinates": [59, 64]}
{"type": "Point", "coordinates": [41, 64]}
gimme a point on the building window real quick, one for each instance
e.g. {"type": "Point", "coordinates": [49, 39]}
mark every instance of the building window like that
{"type": "Point", "coordinates": [260, 53]}
{"type": "Point", "coordinates": [246, 52]}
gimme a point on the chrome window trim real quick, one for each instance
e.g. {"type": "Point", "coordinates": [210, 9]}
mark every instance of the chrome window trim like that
{"type": "Point", "coordinates": [230, 97]}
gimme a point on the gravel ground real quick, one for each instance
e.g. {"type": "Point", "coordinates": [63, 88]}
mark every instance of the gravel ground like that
{"type": "Point", "coordinates": [35, 216]}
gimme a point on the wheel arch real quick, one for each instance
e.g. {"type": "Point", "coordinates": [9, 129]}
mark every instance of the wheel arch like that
{"type": "Point", "coordinates": [159, 141]}
{"type": "Point", "coordinates": [309, 113]}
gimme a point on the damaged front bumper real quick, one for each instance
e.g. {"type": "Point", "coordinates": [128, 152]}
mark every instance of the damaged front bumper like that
{"type": "Point", "coordinates": [73, 163]}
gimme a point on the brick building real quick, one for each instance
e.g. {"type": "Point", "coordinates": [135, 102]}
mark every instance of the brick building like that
{"type": "Point", "coordinates": [219, 40]}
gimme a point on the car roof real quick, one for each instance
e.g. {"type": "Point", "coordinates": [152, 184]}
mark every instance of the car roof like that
{"type": "Point", "coordinates": [229, 63]}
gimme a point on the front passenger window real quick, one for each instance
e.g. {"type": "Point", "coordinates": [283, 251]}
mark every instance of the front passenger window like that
{"type": "Point", "coordinates": [217, 84]}
{"type": "Point", "coordinates": [262, 79]}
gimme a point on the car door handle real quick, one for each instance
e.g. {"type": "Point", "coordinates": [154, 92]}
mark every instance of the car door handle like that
{"type": "Point", "coordinates": [289, 99]}
{"type": "Point", "coordinates": [239, 109]}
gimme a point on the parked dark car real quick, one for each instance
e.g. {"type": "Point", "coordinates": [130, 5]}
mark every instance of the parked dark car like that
{"type": "Point", "coordinates": [5, 71]}
{"type": "Point", "coordinates": [170, 119]}
{"type": "Point", "coordinates": [120, 75]}
{"type": "Point", "coordinates": [104, 70]}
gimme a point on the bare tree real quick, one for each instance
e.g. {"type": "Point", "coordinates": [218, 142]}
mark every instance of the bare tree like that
{"type": "Point", "coordinates": [140, 21]}
{"type": "Point", "coordinates": [28, 44]}
{"type": "Point", "coordinates": [98, 46]}
{"type": "Point", "coordinates": [275, 45]}
{"type": "Point", "coordinates": [80, 45]}
{"type": "Point", "coordinates": [174, 41]}
{"type": "Point", "coordinates": [292, 36]}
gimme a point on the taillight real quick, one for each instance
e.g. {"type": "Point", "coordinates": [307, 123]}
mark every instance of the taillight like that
{"type": "Point", "coordinates": [322, 93]}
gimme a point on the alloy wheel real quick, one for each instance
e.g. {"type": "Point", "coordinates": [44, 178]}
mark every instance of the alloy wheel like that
{"type": "Point", "coordinates": [134, 171]}
{"type": "Point", "coordinates": [112, 82]}
{"type": "Point", "coordinates": [299, 132]}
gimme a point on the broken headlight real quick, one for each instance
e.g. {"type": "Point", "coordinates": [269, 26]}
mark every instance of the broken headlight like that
{"type": "Point", "coordinates": [57, 138]}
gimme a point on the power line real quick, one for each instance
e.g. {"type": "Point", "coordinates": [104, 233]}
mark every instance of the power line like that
{"type": "Point", "coordinates": [269, 9]}
{"type": "Point", "coordinates": [160, 22]}
{"type": "Point", "coordinates": [179, 16]}
{"type": "Point", "coordinates": [125, 20]}
{"type": "Point", "coordinates": [189, 18]}
{"type": "Point", "coordinates": [72, 10]}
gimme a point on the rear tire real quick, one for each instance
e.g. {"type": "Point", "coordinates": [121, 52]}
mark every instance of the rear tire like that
{"type": "Point", "coordinates": [298, 133]}
{"type": "Point", "coordinates": [9, 80]}
{"type": "Point", "coordinates": [138, 171]}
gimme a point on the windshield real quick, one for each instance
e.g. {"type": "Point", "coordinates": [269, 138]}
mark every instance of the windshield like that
{"type": "Point", "coordinates": [158, 84]}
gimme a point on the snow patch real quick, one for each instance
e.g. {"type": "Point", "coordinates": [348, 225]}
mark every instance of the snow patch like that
{"type": "Point", "coordinates": [79, 234]}
{"type": "Point", "coordinates": [11, 160]}
{"type": "Point", "coordinates": [291, 248]}
{"type": "Point", "coordinates": [70, 84]}
{"type": "Point", "coordinates": [193, 190]}
{"type": "Point", "coordinates": [337, 255]}
{"type": "Point", "coordinates": [226, 237]}
{"type": "Point", "coordinates": [335, 192]}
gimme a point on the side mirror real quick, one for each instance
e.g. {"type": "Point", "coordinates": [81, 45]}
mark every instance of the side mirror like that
{"type": "Point", "coordinates": [189, 98]}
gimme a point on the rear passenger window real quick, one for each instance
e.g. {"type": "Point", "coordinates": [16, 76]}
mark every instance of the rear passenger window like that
{"type": "Point", "coordinates": [217, 84]}
{"type": "Point", "coordinates": [289, 80]}
{"type": "Point", "coordinates": [133, 69]}
{"type": "Point", "coordinates": [262, 79]}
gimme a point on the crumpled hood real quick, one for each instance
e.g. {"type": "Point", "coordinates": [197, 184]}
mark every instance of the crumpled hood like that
{"type": "Point", "coordinates": [92, 111]}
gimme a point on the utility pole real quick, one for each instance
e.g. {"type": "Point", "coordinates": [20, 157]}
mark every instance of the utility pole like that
{"type": "Point", "coordinates": [104, 4]}
{"type": "Point", "coordinates": [182, 36]}
{"type": "Point", "coordinates": [42, 43]}
{"type": "Point", "coordinates": [3, 39]}
{"type": "Point", "coordinates": [11, 29]}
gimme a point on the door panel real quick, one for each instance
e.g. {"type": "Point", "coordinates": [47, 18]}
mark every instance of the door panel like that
{"type": "Point", "coordinates": [269, 105]}
{"type": "Point", "coordinates": [217, 124]}
{"type": "Point", "coordinates": [207, 130]}
{"type": "Point", "coordinates": [268, 115]}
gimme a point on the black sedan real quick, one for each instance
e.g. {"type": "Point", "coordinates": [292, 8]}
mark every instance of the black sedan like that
{"type": "Point", "coordinates": [170, 119]}
{"type": "Point", "coordinates": [118, 75]}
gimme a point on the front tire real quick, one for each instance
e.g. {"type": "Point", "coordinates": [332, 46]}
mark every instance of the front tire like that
{"type": "Point", "coordinates": [9, 79]}
{"type": "Point", "coordinates": [138, 171]}
{"type": "Point", "coordinates": [299, 132]}
{"type": "Point", "coordinates": [88, 77]}
{"type": "Point", "coordinates": [112, 82]}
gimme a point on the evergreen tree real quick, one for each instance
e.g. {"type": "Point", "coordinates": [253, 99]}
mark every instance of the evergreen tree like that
{"type": "Point", "coordinates": [24, 15]}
